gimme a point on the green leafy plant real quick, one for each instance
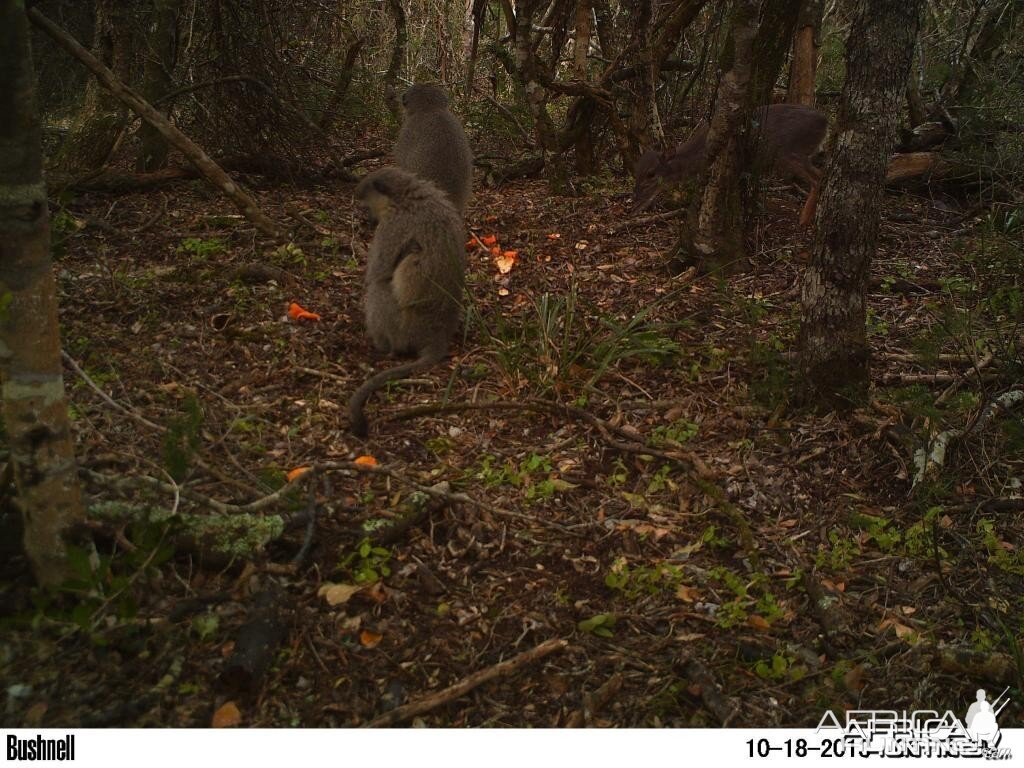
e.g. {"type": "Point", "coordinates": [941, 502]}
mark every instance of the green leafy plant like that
{"type": "Point", "coordinates": [601, 625]}
{"type": "Point", "coordinates": [199, 249]}
{"type": "Point", "coordinates": [367, 563]}
{"type": "Point", "coordinates": [635, 582]}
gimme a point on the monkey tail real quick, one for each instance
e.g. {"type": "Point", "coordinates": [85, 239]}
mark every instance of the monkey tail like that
{"type": "Point", "coordinates": [357, 418]}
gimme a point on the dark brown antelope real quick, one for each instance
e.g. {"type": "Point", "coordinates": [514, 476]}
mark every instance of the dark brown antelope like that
{"type": "Point", "coordinates": [790, 138]}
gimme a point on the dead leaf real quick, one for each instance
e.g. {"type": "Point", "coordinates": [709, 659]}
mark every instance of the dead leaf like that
{"type": "Point", "coordinates": [227, 716]}
{"type": "Point", "coordinates": [337, 594]}
{"type": "Point", "coordinates": [854, 679]}
{"type": "Point", "coordinates": [687, 594]}
{"type": "Point", "coordinates": [554, 236]}
{"type": "Point", "coordinates": [758, 622]}
{"type": "Point", "coordinates": [376, 592]}
{"type": "Point", "coordinates": [369, 639]}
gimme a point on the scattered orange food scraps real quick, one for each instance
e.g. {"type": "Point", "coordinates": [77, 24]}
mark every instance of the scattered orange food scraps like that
{"type": "Point", "coordinates": [495, 250]}
{"type": "Point", "coordinates": [554, 236]}
{"type": "Point", "coordinates": [297, 473]}
{"type": "Point", "coordinates": [296, 312]}
{"type": "Point", "coordinates": [505, 261]}
{"type": "Point", "coordinates": [227, 716]}
{"type": "Point", "coordinates": [370, 639]}
{"type": "Point", "coordinates": [366, 461]}
{"type": "Point", "coordinates": [489, 240]}
{"type": "Point", "coordinates": [471, 244]}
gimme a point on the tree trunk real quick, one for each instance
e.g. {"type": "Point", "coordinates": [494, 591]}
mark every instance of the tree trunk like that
{"type": "Point", "coordinates": [476, 15]}
{"type": "Point", "coordinates": [999, 26]}
{"type": "Point", "coordinates": [94, 129]}
{"type": "Point", "coordinates": [34, 407]}
{"type": "Point", "coordinates": [581, 41]}
{"type": "Point", "coordinates": [161, 53]}
{"type": "Point", "coordinates": [834, 355]}
{"type": "Point", "coordinates": [210, 170]}
{"type": "Point", "coordinates": [342, 86]}
{"type": "Point", "coordinates": [806, 42]}
{"type": "Point", "coordinates": [397, 54]}
{"type": "Point", "coordinates": [772, 43]}
{"type": "Point", "coordinates": [718, 223]}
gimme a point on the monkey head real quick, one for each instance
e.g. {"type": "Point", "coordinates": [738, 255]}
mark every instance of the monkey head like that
{"type": "Point", "coordinates": [423, 96]}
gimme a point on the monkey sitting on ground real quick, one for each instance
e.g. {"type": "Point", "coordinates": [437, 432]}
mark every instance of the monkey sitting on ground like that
{"type": "Point", "coordinates": [433, 145]}
{"type": "Point", "coordinates": [415, 275]}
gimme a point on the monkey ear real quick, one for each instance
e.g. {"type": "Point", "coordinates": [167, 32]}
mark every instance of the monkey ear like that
{"type": "Point", "coordinates": [380, 186]}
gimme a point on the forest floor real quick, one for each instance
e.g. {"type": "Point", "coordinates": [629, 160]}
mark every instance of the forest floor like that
{"type": "Point", "coordinates": [711, 553]}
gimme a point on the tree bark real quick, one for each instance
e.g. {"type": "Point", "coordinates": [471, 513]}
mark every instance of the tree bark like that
{"type": "Point", "coordinates": [161, 52]}
{"type": "Point", "coordinates": [342, 86]}
{"type": "Point", "coordinates": [806, 42]}
{"type": "Point", "coordinates": [476, 14]}
{"type": "Point", "coordinates": [210, 170]}
{"type": "Point", "coordinates": [718, 240]}
{"type": "Point", "coordinates": [34, 405]}
{"type": "Point", "coordinates": [774, 32]}
{"type": "Point", "coordinates": [581, 40]}
{"type": "Point", "coordinates": [397, 54]}
{"type": "Point", "coordinates": [95, 127]}
{"type": "Point", "coordinates": [834, 358]}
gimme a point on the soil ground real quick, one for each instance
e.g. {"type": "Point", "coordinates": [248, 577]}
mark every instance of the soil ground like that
{"type": "Point", "coordinates": [711, 553]}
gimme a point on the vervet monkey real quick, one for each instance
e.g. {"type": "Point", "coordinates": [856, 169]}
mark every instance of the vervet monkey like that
{"type": "Point", "coordinates": [415, 275]}
{"type": "Point", "coordinates": [433, 145]}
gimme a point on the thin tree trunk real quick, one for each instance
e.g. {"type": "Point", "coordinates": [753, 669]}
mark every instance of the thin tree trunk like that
{"type": "Point", "coordinates": [581, 41]}
{"type": "Point", "coordinates": [162, 48]}
{"type": "Point", "coordinates": [717, 242]}
{"type": "Point", "coordinates": [772, 43]}
{"type": "Point", "coordinates": [834, 355]}
{"type": "Point", "coordinates": [210, 170]}
{"type": "Point", "coordinates": [476, 13]}
{"type": "Point", "coordinates": [342, 86]}
{"type": "Point", "coordinates": [97, 124]}
{"type": "Point", "coordinates": [806, 42]}
{"type": "Point", "coordinates": [34, 406]}
{"type": "Point", "coordinates": [397, 54]}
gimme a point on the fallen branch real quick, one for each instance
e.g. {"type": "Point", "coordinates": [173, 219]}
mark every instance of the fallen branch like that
{"type": "Point", "coordinates": [930, 459]}
{"type": "Point", "coordinates": [464, 686]}
{"type": "Point", "coordinates": [210, 170]}
{"type": "Point", "coordinates": [594, 702]}
{"type": "Point", "coordinates": [642, 220]}
{"type": "Point", "coordinates": [710, 691]}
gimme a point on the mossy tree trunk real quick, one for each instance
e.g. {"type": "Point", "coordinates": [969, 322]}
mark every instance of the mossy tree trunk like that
{"type": "Point", "coordinates": [101, 117]}
{"type": "Point", "coordinates": [158, 79]}
{"type": "Point", "coordinates": [34, 407]}
{"type": "Point", "coordinates": [834, 356]}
